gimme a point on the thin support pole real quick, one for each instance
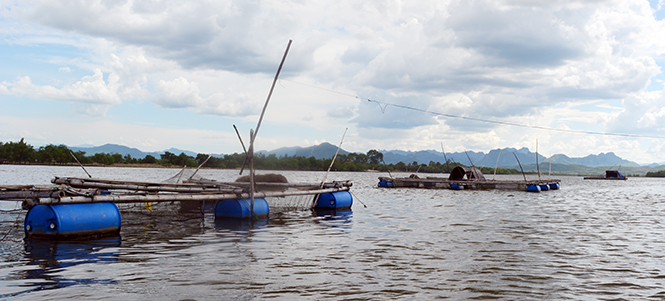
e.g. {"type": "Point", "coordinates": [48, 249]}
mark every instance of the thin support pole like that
{"type": "Point", "coordinates": [444, 157]}
{"type": "Point", "coordinates": [251, 173]}
{"type": "Point", "coordinates": [77, 161]}
{"type": "Point", "coordinates": [253, 133]}
{"type": "Point", "coordinates": [181, 173]}
{"type": "Point", "coordinates": [243, 149]}
{"type": "Point", "coordinates": [497, 164]}
{"type": "Point", "coordinates": [316, 199]}
{"type": "Point", "coordinates": [537, 166]}
{"type": "Point", "coordinates": [518, 162]}
{"type": "Point", "coordinates": [265, 106]}
{"type": "Point", "coordinates": [197, 169]}
{"type": "Point", "coordinates": [467, 155]}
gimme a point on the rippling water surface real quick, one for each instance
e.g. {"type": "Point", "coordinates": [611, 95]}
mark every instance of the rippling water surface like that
{"type": "Point", "coordinates": [591, 240]}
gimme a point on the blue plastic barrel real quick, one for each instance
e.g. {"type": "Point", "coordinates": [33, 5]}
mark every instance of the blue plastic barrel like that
{"type": "Point", "coordinates": [533, 188]}
{"type": "Point", "coordinates": [67, 220]}
{"type": "Point", "coordinates": [555, 186]}
{"type": "Point", "coordinates": [384, 183]}
{"type": "Point", "coordinates": [335, 200]}
{"type": "Point", "coordinates": [240, 208]}
{"type": "Point", "coordinates": [456, 186]}
{"type": "Point", "coordinates": [544, 187]}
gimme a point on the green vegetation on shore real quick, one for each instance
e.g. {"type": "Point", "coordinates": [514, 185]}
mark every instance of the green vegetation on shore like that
{"type": "Point", "coordinates": [23, 153]}
{"type": "Point", "coordinates": [656, 174]}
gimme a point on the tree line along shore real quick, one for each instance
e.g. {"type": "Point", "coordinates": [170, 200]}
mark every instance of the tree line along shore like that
{"type": "Point", "coordinates": [23, 153]}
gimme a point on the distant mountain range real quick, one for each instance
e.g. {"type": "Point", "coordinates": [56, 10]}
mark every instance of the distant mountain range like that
{"type": "Point", "coordinates": [505, 158]}
{"type": "Point", "coordinates": [124, 150]}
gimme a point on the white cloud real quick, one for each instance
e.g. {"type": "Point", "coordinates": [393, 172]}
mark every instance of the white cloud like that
{"type": "Point", "coordinates": [178, 93]}
{"type": "Point", "coordinates": [524, 61]}
{"type": "Point", "coordinates": [90, 89]}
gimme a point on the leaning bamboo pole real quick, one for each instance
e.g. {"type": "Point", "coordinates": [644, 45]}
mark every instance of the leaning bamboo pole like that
{"type": "Point", "coordinates": [252, 134]}
{"type": "Point", "coordinates": [200, 165]}
{"type": "Point", "coordinates": [316, 199]}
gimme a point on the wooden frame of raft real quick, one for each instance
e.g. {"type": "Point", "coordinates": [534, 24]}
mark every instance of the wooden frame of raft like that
{"type": "Point", "coordinates": [83, 190]}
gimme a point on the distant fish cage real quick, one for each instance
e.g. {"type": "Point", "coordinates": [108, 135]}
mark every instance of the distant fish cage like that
{"type": "Point", "coordinates": [468, 178]}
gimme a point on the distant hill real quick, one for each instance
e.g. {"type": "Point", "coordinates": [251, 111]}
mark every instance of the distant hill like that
{"type": "Point", "coordinates": [124, 150]}
{"type": "Point", "coordinates": [322, 151]}
{"type": "Point", "coordinates": [396, 156]}
{"type": "Point", "coordinates": [506, 157]}
{"type": "Point", "coordinates": [602, 159]}
{"type": "Point", "coordinates": [591, 164]}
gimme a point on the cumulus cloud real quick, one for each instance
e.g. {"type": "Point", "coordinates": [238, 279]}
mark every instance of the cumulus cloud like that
{"type": "Point", "coordinates": [91, 89]}
{"type": "Point", "coordinates": [504, 60]}
{"type": "Point", "coordinates": [181, 93]}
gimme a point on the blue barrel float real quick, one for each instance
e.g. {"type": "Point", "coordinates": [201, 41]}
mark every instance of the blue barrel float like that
{"type": "Point", "coordinates": [533, 188]}
{"type": "Point", "coordinates": [334, 200]}
{"type": "Point", "coordinates": [241, 208]}
{"type": "Point", "coordinates": [384, 183]}
{"type": "Point", "coordinates": [555, 186]}
{"type": "Point", "coordinates": [544, 187]}
{"type": "Point", "coordinates": [456, 186]}
{"type": "Point", "coordinates": [70, 220]}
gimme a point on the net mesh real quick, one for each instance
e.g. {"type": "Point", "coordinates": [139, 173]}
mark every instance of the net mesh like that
{"type": "Point", "coordinates": [182, 176]}
{"type": "Point", "coordinates": [276, 204]}
{"type": "Point", "coordinates": [293, 202]}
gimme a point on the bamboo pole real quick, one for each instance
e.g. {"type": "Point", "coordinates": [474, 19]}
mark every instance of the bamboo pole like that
{"type": "Point", "coordinates": [181, 173]}
{"type": "Point", "coordinates": [253, 133]}
{"type": "Point", "coordinates": [497, 164]}
{"type": "Point", "coordinates": [518, 162]}
{"type": "Point", "coordinates": [197, 169]}
{"type": "Point", "coordinates": [243, 149]}
{"type": "Point", "coordinates": [182, 197]}
{"type": "Point", "coordinates": [67, 180]}
{"type": "Point", "coordinates": [80, 183]}
{"type": "Point", "coordinates": [537, 166]}
{"type": "Point", "coordinates": [265, 106]}
{"type": "Point", "coordinates": [200, 186]}
{"type": "Point", "coordinates": [77, 161]}
{"type": "Point", "coordinates": [252, 185]}
{"type": "Point", "coordinates": [444, 157]}
{"type": "Point", "coordinates": [19, 195]}
{"type": "Point", "coordinates": [316, 199]}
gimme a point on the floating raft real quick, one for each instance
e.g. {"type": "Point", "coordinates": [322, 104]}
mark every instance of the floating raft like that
{"type": "Point", "coordinates": [75, 207]}
{"type": "Point", "coordinates": [468, 178]}
{"type": "Point", "coordinates": [609, 175]}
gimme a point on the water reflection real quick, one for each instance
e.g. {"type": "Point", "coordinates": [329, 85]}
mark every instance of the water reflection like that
{"type": "Point", "coordinates": [54, 257]}
{"type": "Point", "coordinates": [335, 218]}
{"type": "Point", "coordinates": [240, 224]}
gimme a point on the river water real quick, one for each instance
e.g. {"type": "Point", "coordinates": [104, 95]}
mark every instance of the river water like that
{"type": "Point", "coordinates": [590, 240]}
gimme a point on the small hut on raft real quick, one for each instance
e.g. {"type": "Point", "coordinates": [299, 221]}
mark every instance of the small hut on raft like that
{"type": "Point", "coordinates": [471, 173]}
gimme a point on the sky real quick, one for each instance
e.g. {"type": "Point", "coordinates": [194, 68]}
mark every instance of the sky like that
{"type": "Point", "coordinates": [469, 75]}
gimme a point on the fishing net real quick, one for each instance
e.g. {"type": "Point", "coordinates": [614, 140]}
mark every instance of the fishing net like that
{"type": "Point", "coordinates": [276, 204]}
{"type": "Point", "coordinates": [288, 203]}
{"type": "Point", "coordinates": [183, 176]}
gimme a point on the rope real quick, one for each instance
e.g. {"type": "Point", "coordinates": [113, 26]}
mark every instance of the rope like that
{"type": "Point", "coordinates": [384, 105]}
{"type": "Point", "coordinates": [356, 197]}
